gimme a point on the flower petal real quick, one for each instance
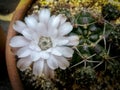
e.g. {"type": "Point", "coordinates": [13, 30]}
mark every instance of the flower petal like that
{"type": "Point", "coordinates": [34, 46]}
{"type": "Point", "coordinates": [18, 41]}
{"type": "Point", "coordinates": [49, 73]}
{"type": "Point", "coordinates": [44, 15]}
{"type": "Point", "coordinates": [31, 21]}
{"type": "Point", "coordinates": [52, 62]}
{"type": "Point", "coordinates": [63, 19]}
{"type": "Point", "coordinates": [65, 28]}
{"type": "Point", "coordinates": [35, 15]}
{"type": "Point", "coordinates": [24, 63]}
{"type": "Point", "coordinates": [44, 55]}
{"type": "Point", "coordinates": [54, 51]}
{"type": "Point", "coordinates": [62, 62]}
{"type": "Point", "coordinates": [35, 55]}
{"type": "Point", "coordinates": [73, 40]}
{"type": "Point", "coordinates": [30, 34]}
{"type": "Point", "coordinates": [23, 52]}
{"type": "Point", "coordinates": [27, 33]}
{"type": "Point", "coordinates": [54, 21]}
{"type": "Point", "coordinates": [41, 29]}
{"type": "Point", "coordinates": [52, 32]}
{"type": "Point", "coordinates": [59, 41]}
{"type": "Point", "coordinates": [66, 51]}
{"type": "Point", "coordinates": [38, 67]}
{"type": "Point", "coordinates": [19, 26]}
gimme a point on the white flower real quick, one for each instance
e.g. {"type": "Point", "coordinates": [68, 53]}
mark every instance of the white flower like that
{"type": "Point", "coordinates": [44, 42]}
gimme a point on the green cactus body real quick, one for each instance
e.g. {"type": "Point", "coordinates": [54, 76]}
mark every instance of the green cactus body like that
{"type": "Point", "coordinates": [93, 50]}
{"type": "Point", "coordinates": [110, 12]}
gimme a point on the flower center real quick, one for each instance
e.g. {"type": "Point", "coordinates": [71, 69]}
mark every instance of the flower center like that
{"type": "Point", "coordinates": [45, 43]}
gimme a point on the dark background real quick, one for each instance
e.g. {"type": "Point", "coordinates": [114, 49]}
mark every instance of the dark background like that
{"type": "Point", "coordinates": [6, 7]}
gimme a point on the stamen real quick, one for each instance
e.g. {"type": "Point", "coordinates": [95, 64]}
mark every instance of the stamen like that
{"type": "Point", "coordinates": [45, 43]}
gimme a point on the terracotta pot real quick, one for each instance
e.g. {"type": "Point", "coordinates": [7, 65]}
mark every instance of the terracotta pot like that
{"type": "Point", "coordinates": [2, 48]}
{"type": "Point", "coordinates": [19, 13]}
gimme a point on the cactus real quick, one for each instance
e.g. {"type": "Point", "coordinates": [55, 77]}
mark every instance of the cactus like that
{"type": "Point", "coordinates": [110, 12]}
{"type": "Point", "coordinates": [95, 64]}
